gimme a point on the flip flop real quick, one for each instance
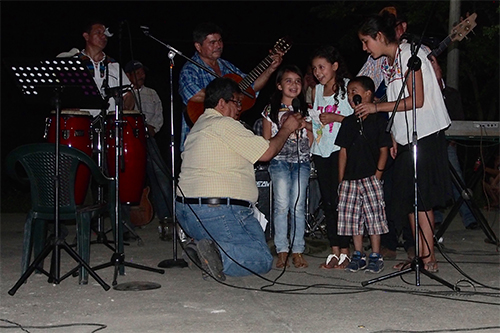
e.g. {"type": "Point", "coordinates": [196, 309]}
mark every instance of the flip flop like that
{"type": "Point", "coordinates": [402, 265]}
{"type": "Point", "coordinates": [343, 261]}
{"type": "Point", "coordinates": [331, 261]}
{"type": "Point", "coordinates": [431, 267]}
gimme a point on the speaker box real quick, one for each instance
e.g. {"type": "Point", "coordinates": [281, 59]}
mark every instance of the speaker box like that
{"type": "Point", "coordinates": [265, 201]}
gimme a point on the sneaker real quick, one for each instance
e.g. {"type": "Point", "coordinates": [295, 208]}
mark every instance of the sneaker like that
{"type": "Point", "coordinates": [210, 259]}
{"type": "Point", "coordinates": [190, 255]}
{"type": "Point", "coordinates": [358, 261]}
{"type": "Point", "coordinates": [375, 263]}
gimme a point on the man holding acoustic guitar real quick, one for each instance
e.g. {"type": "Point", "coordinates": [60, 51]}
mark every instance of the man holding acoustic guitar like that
{"type": "Point", "coordinates": [207, 38]}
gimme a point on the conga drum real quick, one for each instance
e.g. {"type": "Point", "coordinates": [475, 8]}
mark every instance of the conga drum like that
{"type": "Point", "coordinates": [133, 171]}
{"type": "Point", "coordinates": [75, 131]}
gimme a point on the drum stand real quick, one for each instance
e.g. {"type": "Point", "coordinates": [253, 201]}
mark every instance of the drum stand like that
{"type": "Point", "coordinates": [58, 243]}
{"type": "Point", "coordinates": [417, 264]}
{"type": "Point", "coordinates": [99, 130]}
{"type": "Point", "coordinates": [118, 257]}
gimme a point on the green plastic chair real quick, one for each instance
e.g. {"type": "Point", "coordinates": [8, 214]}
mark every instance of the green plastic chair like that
{"type": "Point", "coordinates": [38, 160]}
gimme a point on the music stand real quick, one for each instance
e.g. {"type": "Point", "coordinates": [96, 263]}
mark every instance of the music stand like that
{"type": "Point", "coordinates": [46, 79]}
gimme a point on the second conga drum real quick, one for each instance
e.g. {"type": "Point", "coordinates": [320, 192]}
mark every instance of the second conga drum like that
{"type": "Point", "coordinates": [75, 131]}
{"type": "Point", "coordinates": [133, 170]}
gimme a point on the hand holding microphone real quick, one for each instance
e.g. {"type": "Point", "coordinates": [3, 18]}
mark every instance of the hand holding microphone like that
{"type": "Point", "coordinates": [363, 109]}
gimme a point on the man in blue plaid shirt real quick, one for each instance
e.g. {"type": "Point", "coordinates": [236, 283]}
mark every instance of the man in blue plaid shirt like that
{"type": "Point", "coordinates": [207, 38]}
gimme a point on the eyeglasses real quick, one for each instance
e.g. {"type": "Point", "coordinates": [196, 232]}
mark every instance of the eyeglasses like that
{"type": "Point", "coordinates": [238, 103]}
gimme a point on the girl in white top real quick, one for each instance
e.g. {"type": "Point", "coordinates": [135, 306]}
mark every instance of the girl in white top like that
{"type": "Point", "coordinates": [377, 36]}
{"type": "Point", "coordinates": [330, 106]}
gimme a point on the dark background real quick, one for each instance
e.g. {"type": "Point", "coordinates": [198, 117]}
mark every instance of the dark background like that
{"type": "Point", "coordinates": [41, 30]}
{"type": "Point", "coordinates": [251, 29]}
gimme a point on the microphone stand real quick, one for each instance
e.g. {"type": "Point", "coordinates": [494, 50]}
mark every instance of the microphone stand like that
{"type": "Point", "coordinates": [414, 64]}
{"type": "Point", "coordinates": [175, 262]}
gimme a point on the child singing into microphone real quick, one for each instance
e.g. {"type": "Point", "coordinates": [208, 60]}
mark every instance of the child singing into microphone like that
{"type": "Point", "coordinates": [363, 155]}
{"type": "Point", "coordinates": [290, 169]}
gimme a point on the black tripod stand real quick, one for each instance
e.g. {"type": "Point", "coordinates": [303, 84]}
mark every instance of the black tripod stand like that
{"type": "Point", "coordinates": [466, 197]}
{"type": "Point", "coordinates": [414, 64]}
{"type": "Point", "coordinates": [35, 78]}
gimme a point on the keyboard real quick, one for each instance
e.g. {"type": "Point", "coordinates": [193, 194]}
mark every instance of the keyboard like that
{"type": "Point", "coordinates": [473, 129]}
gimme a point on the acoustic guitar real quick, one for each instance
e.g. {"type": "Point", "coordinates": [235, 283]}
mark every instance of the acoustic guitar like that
{"type": "Point", "coordinates": [143, 213]}
{"type": "Point", "coordinates": [195, 109]}
{"type": "Point", "coordinates": [457, 33]}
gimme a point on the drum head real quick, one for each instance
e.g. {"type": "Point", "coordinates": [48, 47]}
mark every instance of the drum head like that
{"type": "Point", "coordinates": [72, 113]}
{"type": "Point", "coordinates": [125, 112]}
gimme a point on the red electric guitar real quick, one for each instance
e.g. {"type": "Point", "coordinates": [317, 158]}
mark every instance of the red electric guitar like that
{"type": "Point", "coordinates": [196, 109]}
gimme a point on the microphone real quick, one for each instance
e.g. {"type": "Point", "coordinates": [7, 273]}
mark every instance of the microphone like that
{"type": "Point", "coordinates": [145, 29]}
{"type": "Point", "coordinates": [296, 105]}
{"type": "Point", "coordinates": [296, 109]}
{"type": "Point", "coordinates": [107, 33]}
{"type": "Point", "coordinates": [357, 100]}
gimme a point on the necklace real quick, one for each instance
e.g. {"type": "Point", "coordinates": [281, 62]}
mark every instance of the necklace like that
{"type": "Point", "coordinates": [96, 63]}
{"type": "Point", "coordinates": [96, 67]}
{"type": "Point", "coordinates": [390, 71]}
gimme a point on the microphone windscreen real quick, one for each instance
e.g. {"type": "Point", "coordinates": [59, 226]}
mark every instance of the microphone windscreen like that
{"type": "Point", "coordinates": [356, 99]}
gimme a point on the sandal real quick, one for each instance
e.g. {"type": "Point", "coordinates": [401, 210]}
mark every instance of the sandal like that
{"type": "Point", "coordinates": [282, 260]}
{"type": "Point", "coordinates": [402, 265]}
{"type": "Point", "coordinates": [299, 261]}
{"type": "Point", "coordinates": [331, 261]}
{"type": "Point", "coordinates": [343, 261]}
{"type": "Point", "coordinates": [431, 267]}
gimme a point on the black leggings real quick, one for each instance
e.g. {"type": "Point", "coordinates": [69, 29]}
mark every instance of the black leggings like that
{"type": "Point", "coordinates": [328, 179]}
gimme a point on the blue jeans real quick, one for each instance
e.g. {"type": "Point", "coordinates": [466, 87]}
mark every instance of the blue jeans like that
{"type": "Point", "coordinates": [240, 237]}
{"type": "Point", "coordinates": [464, 211]}
{"type": "Point", "coordinates": [290, 181]}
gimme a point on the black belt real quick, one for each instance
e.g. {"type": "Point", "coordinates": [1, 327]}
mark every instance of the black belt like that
{"type": "Point", "coordinates": [214, 201]}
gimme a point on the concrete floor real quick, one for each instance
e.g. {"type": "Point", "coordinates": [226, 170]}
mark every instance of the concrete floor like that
{"type": "Point", "coordinates": [297, 300]}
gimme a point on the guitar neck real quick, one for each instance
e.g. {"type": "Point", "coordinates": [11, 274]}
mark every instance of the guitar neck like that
{"type": "Point", "coordinates": [255, 73]}
{"type": "Point", "coordinates": [442, 46]}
